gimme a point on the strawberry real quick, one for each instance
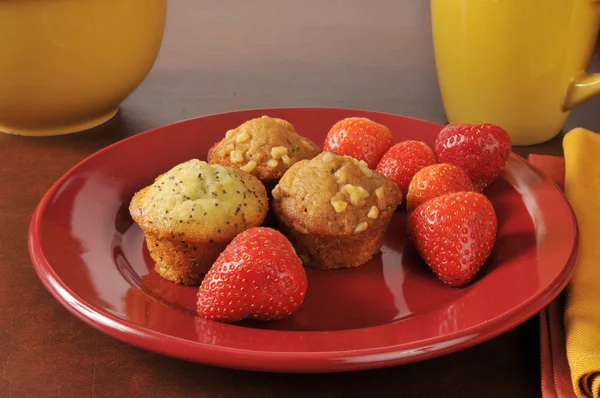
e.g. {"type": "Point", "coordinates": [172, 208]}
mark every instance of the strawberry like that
{"type": "Point", "coordinates": [479, 149]}
{"type": "Point", "coordinates": [454, 234]}
{"type": "Point", "coordinates": [436, 180]}
{"type": "Point", "coordinates": [403, 160]}
{"type": "Point", "coordinates": [258, 275]}
{"type": "Point", "coordinates": [361, 138]}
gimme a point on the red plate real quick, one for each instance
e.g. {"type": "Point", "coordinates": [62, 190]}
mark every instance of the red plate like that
{"type": "Point", "coordinates": [90, 255]}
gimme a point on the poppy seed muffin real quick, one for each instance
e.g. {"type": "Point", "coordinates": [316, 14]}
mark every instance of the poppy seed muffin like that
{"type": "Point", "coordinates": [265, 147]}
{"type": "Point", "coordinates": [190, 213]}
{"type": "Point", "coordinates": [335, 210]}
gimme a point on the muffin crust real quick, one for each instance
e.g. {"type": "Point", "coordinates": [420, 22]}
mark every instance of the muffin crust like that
{"type": "Point", "coordinates": [190, 213]}
{"type": "Point", "coordinates": [335, 210]}
{"type": "Point", "coordinates": [265, 147]}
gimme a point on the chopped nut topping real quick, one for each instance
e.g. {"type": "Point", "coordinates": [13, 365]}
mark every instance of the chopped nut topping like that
{"type": "Point", "coordinates": [236, 156]}
{"type": "Point", "coordinates": [228, 148]}
{"type": "Point", "coordinates": [272, 163]}
{"type": "Point", "coordinates": [356, 194]}
{"type": "Point", "coordinates": [379, 193]}
{"type": "Point", "coordinates": [287, 160]}
{"type": "Point", "coordinates": [278, 151]}
{"type": "Point", "coordinates": [366, 170]}
{"type": "Point", "coordinates": [328, 157]}
{"type": "Point", "coordinates": [339, 205]}
{"type": "Point", "coordinates": [248, 167]}
{"type": "Point", "coordinates": [362, 227]}
{"type": "Point", "coordinates": [229, 133]}
{"type": "Point", "coordinates": [349, 188]}
{"type": "Point", "coordinates": [242, 137]}
{"type": "Point", "coordinates": [373, 213]}
{"type": "Point", "coordinates": [342, 175]}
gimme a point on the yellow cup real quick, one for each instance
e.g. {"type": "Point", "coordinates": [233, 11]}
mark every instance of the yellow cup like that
{"type": "Point", "coordinates": [66, 65]}
{"type": "Point", "coordinates": [519, 64]}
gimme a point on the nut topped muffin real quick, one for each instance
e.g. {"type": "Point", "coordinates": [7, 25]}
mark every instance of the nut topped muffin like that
{"type": "Point", "coordinates": [190, 213]}
{"type": "Point", "coordinates": [335, 210]}
{"type": "Point", "coordinates": [264, 147]}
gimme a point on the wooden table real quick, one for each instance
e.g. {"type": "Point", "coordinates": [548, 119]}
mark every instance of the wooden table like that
{"type": "Point", "coordinates": [221, 56]}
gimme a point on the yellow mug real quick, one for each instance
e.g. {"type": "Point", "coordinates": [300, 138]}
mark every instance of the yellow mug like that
{"type": "Point", "coordinates": [519, 64]}
{"type": "Point", "coordinates": [67, 65]}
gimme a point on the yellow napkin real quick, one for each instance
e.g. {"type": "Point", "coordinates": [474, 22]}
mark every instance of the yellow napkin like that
{"type": "Point", "coordinates": [582, 313]}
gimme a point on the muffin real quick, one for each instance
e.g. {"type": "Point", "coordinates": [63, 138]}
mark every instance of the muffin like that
{"type": "Point", "coordinates": [335, 210]}
{"type": "Point", "coordinates": [190, 213]}
{"type": "Point", "coordinates": [265, 147]}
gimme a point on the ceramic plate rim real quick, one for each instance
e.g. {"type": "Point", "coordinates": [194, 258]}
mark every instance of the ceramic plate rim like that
{"type": "Point", "coordinates": [143, 337]}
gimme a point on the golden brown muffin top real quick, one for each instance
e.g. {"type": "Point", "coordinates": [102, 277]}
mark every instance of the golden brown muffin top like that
{"type": "Point", "coordinates": [264, 147]}
{"type": "Point", "coordinates": [334, 195]}
{"type": "Point", "coordinates": [200, 199]}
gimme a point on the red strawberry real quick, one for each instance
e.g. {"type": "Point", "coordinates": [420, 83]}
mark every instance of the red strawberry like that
{"type": "Point", "coordinates": [403, 160]}
{"type": "Point", "coordinates": [454, 234]}
{"type": "Point", "coordinates": [361, 138]}
{"type": "Point", "coordinates": [258, 275]}
{"type": "Point", "coordinates": [436, 180]}
{"type": "Point", "coordinates": [479, 149]}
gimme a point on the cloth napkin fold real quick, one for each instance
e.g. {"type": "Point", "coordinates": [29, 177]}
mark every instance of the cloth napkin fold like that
{"type": "Point", "coordinates": [555, 371]}
{"type": "Point", "coordinates": [573, 352]}
{"type": "Point", "coordinates": [582, 313]}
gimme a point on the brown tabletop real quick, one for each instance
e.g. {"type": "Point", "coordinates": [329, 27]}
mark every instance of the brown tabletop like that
{"type": "Point", "coordinates": [221, 56]}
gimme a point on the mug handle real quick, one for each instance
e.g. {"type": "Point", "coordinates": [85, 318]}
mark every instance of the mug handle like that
{"type": "Point", "coordinates": [582, 88]}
